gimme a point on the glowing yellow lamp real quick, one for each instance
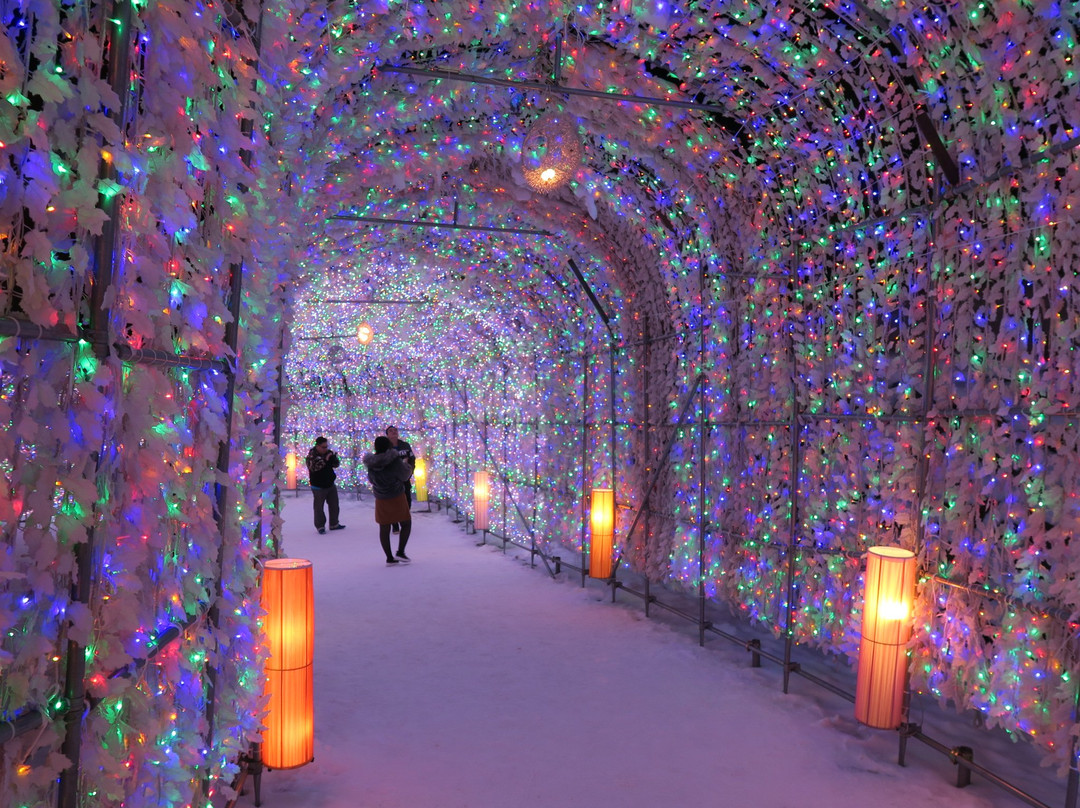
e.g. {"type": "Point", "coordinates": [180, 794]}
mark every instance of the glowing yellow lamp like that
{"type": "Point", "coordinates": [886, 628]}
{"type": "Point", "coordinates": [481, 495]}
{"type": "Point", "coordinates": [288, 597]}
{"type": "Point", "coordinates": [602, 532]}
{"type": "Point", "coordinates": [364, 333]}
{"type": "Point", "coordinates": [290, 471]}
{"type": "Point", "coordinates": [420, 479]}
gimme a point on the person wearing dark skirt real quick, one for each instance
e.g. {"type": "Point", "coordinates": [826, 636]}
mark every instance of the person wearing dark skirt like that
{"type": "Point", "coordinates": [388, 475]}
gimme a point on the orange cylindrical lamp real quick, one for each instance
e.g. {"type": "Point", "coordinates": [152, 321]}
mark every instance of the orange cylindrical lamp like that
{"type": "Point", "coordinates": [886, 628]}
{"type": "Point", "coordinates": [420, 479]}
{"type": "Point", "coordinates": [481, 495]}
{"type": "Point", "coordinates": [602, 532]}
{"type": "Point", "coordinates": [290, 471]}
{"type": "Point", "coordinates": [288, 596]}
{"type": "Point", "coordinates": [364, 333]}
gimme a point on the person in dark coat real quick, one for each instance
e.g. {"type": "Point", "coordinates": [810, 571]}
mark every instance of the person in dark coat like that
{"type": "Point", "coordinates": [405, 452]}
{"type": "Point", "coordinates": [389, 475]}
{"type": "Point", "coordinates": [321, 463]}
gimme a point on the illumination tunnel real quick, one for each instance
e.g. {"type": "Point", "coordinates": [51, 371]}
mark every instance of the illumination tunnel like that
{"type": "Point", "coordinates": [803, 281]}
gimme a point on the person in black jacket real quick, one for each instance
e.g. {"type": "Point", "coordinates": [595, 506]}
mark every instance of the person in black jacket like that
{"type": "Point", "coordinates": [321, 463]}
{"type": "Point", "coordinates": [405, 452]}
{"type": "Point", "coordinates": [389, 475]}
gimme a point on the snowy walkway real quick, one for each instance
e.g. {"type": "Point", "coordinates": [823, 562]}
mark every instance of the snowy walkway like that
{"type": "Point", "coordinates": [468, 680]}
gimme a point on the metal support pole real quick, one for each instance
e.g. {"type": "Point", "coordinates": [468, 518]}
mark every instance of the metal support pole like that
{"type": "Point", "coordinates": [536, 493]}
{"type": "Point", "coordinates": [584, 460]}
{"type": "Point", "coordinates": [505, 455]}
{"type": "Point", "coordinates": [923, 466]}
{"type": "Point", "coordinates": [277, 443]}
{"type": "Point", "coordinates": [611, 447]}
{"type": "Point", "coordinates": [223, 493]}
{"type": "Point", "coordinates": [467, 453]}
{"type": "Point", "coordinates": [453, 442]}
{"type": "Point", "coordinates": [702, 522]}
{"type": "Point", "coordinates": [793, 536]}
{"type": "Point", "coordinates": [754, 647]}
{"type": "Point", "coordinates": [647, 406]}
{"type": "Point", "coordinates": [119, 58]}
{"type": "Point", "coordinates": [963, 772]}
{"type": "Point", "coordinates": [702, 426]}
{"type": "Point", "coordinates": [611, 393]}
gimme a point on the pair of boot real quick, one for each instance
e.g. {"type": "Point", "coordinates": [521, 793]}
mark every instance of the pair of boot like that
{"type": "Point", "coordinates": [398, 558]}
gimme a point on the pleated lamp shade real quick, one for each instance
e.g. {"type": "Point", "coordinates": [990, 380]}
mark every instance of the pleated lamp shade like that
{"type": "Point", "coordinates": [290, 471]}
{"type": "Point", "coordinates": [602, 532]}
{"type": "Point", "coordinates": [288, 596]}
{"type": "Point", "coordinates": [886, 629]}
{"type": "Point", "coordinates": [420, 479]}
{"type": "Point", "coordinates": [481, 495]}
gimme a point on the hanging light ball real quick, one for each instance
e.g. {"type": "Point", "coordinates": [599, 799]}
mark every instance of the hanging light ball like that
{"type": "Point", "coordinates": [336, 355]}
{"type": "Point", "coordinates": [551, 152]}
{"type": "Point", "coordinates": [364, 333]}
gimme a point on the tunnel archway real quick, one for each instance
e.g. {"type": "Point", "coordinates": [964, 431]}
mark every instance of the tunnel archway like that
{"type": "Point", "coordinates": [813, 277]}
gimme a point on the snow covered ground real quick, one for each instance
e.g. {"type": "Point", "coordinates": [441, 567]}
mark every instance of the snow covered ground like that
{"type": "Point", "coordinates": [466, 679]}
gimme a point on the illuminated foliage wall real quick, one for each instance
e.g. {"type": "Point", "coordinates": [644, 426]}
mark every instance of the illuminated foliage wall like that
{"type": "Point", "coordinates": [851, 275]}
{"type": "Point", "coordinates": [844, 335]}
{"type": "Point", "coordinates": [138, 374]}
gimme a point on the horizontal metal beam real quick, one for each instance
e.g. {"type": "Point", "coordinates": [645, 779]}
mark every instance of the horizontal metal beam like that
{"type": "Point", "coordinates": [24, 329]}
{"type": "Point", "coordinates": [424, 301]}
{"type": "Point", "coordinates": [449, 225]}
{"type": "Point", "coordinates": [449, 75]}
{"type": "Point", "coordinates": [147, 356]}
{"type": "Point", "coordinates": [18, 327]}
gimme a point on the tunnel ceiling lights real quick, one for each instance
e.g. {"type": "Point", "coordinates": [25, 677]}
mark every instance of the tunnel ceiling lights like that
{"type": "Point", "coordinates": [619, 98]}
{"type": "Point", "coordinates": [523, 231]}
{"type": "Point", "coordinates": [371, 301]}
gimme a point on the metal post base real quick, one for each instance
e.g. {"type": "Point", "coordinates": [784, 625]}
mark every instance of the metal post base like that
{"type": "Point", "coordinates": [250, 764]}
{"type": "Point", "coordinates": [963, 773]}
{"type": "Point", "coordinates": [907, 730]}
{"type": "Point", "coordinates": [753, 646]}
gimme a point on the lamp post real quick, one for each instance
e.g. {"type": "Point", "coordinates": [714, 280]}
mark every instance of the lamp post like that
{"type": "Point", "coordinates": [602, 532]}
{"type": "Point", "coordinates": [420, 480]}
{"type": "Point", "coordinates": [886, 628]}
{"type": "Point", "coordinates": [290, 471]}
{"type": "Point", "coordinates": [288, 596]}
{"type": "Point", "coordinates": [481, 495]}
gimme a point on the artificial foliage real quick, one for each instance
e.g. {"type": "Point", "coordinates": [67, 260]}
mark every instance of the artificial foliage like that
{"type": "Point", "coordinates": [839, 294]}
{"type": "Point", "coordinates": [823, 299]}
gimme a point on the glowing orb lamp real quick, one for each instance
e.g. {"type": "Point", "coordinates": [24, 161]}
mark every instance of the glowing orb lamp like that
{"type": "Point", "coordinates": [550, 153]}
{"type": "Point", "coordinates": [364, 333]}
{"type": "Point", "coordinates": [886, 628]}
{"type": "Point", "coordinates": [288, 597]}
